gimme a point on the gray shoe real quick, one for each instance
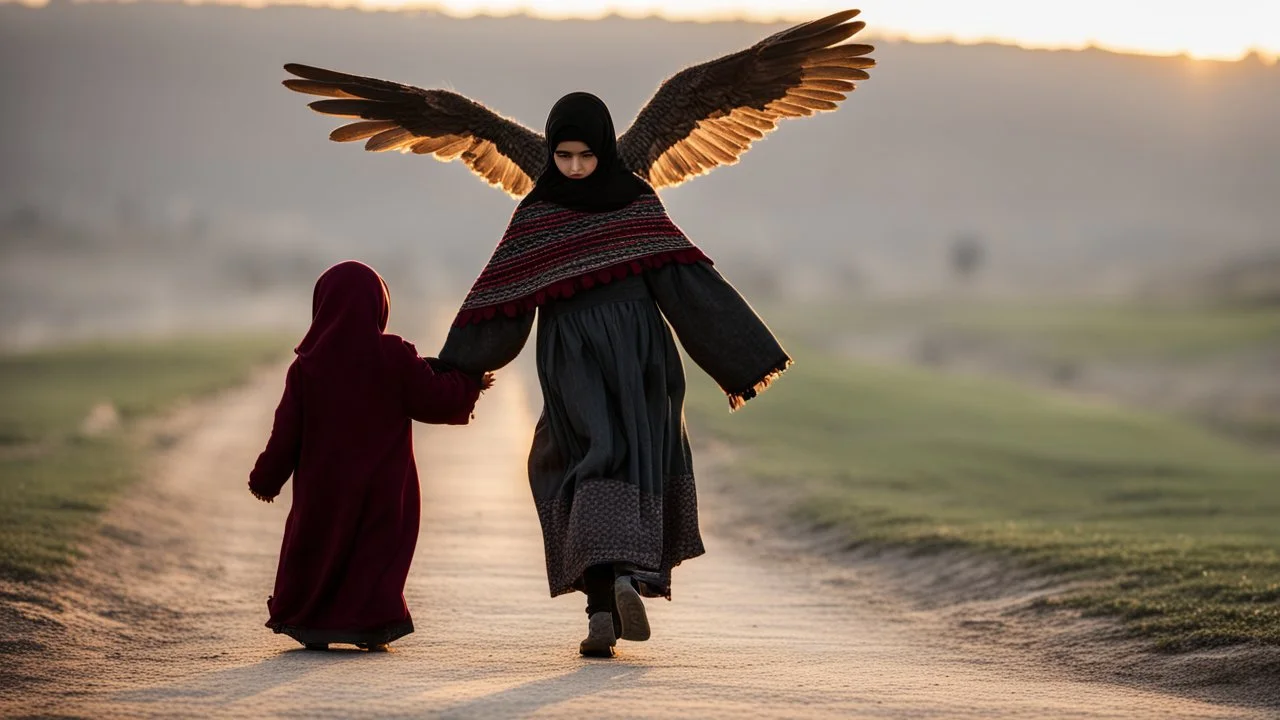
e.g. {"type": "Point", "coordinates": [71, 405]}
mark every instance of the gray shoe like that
{"type": "Point", "coordinates": [600, 638]}
{"type": "Point", "coordinates": [635, 622]}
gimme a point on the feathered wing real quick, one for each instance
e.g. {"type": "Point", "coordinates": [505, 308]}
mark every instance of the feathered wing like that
{"type": "Point", "coordinates": [708, 115]}
{"type": "Point", "coordinates": [440, 123]}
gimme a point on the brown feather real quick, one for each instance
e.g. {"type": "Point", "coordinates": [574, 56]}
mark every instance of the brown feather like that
{"type": "Point", "coordinates": [707, 133]}
{"type": "Point", "coordinates": [743, 128]}
{"type": "Point", "coordinates": [813, 42]}
{"type": "Point", "coordinates": [454, 149]}
{"type": "Point", "coordinates": [838, 55]}
{"type": "Point", "coordinates": [360, 130]}
{"type": "Point", "coordinates": [345, 108]}
{"type": "Point", "coordinates": [661, 173]}
{"type": "Point", "coordinates": [428, 146]}
{"type": "Point", "coordinates": [392, 139]}
{"type": "Point", "coordinates": [763, 121]}
{"type": "Point", "coordinates": [833, 73]}
{"type": "Point", "coordinates": [816, 94]}
{"type": "Point", "coordinates": [482, 158]}
{"type": "Point", "coordinates": [679, 166]}
{"type": "Point", "coordinates": [393, 96]}
{"type": "Point", "coordinates": [840, 86]}
{"type": "Point", "coordinates": [699, 140]}
{"type": "Point", "coordinates": [736, 133]}
{"type": "Point", "coordinates": [725, 141]}
{"type": "Point", "coordinates": [855, 62]}
{"type": "Point", "coordinates": [311, 87]}
{"type": "Point", "coordinates": [680, 161]}
{"type": "Point", "coordinates": [812, 28]}
{"type": "Point", "coordinates": [315, 73]}
{"type": "Point", "coordinates": [809, 103]}
{"type": "Point", "coordinates": [691, 158]}
{"type": "Point", "coordinates": [785, 109]}
{"type": "Point", "coordinates": [507, 174]}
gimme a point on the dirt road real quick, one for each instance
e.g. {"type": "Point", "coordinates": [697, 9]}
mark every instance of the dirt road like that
{"type": "Point", "coordinates": [166, 616]}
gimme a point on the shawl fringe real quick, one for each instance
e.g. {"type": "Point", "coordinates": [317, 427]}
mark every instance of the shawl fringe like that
{"type": "Point", "coordinates": [570, 286]}
{"type": "Point", "coordinates": [738, 399]}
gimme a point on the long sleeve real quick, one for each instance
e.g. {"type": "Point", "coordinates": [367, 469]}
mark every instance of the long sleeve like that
{"type": "Point", "coordinates": [719, 330]}
{"type": "Point", "coordinates": [280, 458]}
{"type": "Point", "coordinates": [486, 346]}
{"type": "Point", "coordinates": [434, 396]}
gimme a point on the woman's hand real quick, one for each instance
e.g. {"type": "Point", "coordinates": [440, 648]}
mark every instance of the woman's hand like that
{"type": "Point", "coordinates": [486, 382]}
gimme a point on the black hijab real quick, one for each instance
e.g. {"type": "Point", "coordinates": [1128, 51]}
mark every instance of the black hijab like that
{"type": "Point", "coordinates": [584, 117]}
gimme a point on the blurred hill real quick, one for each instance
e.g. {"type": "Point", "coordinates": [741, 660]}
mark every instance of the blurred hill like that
{"type": "Point", "coordinates": [158, 136]}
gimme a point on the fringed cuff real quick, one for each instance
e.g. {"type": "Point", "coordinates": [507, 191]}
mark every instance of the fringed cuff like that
{"type": "Point", "coordinates": [738, 399]}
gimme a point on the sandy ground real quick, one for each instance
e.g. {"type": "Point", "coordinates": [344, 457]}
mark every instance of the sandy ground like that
{"type": "Point", "coordinates": [164, 617]}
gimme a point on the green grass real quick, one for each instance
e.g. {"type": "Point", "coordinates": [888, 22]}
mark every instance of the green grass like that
{"type": "Point", "coordinates": [1065, 332]}
{"type": "Point", "coordinates": [55, 478]}
{"type": "Point", "coordinates": [1178, 529]}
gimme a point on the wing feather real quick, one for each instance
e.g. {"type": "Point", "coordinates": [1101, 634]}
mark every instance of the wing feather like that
{"type": "Point", "coordinates": [740, 136]}
{"type": "Point", "coordinates": [708, 115]}
{"type": "Point", "coordinates": [360, 130]}
{"type": "Point", "coordinates": [392, 139]}
{"type": "Point", "coordinates": [429, 146]}
{"type": "Point", "coordinates": [816, 94]}
{"type": "Point", "coordinates": [311, 87]}
{"type": "Point", "coordinates": [703, 141]}
{"type": "Point", "coordinates": [840, 86]}
{"type": "Point", "coordinates": [809, 103]}
{"type": "Point", "coordinates": [440, 123]}
{"type": "Point", "coordinates": [830, 72]}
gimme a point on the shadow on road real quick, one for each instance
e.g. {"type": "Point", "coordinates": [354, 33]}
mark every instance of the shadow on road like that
{"type": "Point", "coordinates": [223, 687]}
{"type": "Point", "coordinates": [589, 679]}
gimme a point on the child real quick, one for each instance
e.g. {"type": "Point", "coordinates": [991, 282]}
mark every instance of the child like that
{"type": "Point", "coordinates": [343, 431]}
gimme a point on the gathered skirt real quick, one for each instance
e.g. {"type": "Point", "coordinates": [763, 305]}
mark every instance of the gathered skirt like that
{"type": "Point", "coordinates": [610, 467]}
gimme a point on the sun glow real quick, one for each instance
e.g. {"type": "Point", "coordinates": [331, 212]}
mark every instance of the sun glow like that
{"type": "Point", "coordinates": [1224, 30]}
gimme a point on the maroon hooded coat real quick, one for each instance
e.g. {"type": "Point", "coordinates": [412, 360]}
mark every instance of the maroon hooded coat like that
{"type": "Point", "coordinates": [343, 431]}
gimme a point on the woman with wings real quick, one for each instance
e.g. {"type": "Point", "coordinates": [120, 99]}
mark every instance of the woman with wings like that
{"type": "Point", "coordinates": [592, 253]}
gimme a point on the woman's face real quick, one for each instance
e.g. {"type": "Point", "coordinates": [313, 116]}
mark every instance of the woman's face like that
{"type": "Point", "coordinates": [574, 159]}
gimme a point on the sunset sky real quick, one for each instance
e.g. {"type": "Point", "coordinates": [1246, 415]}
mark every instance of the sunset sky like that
{"type": "Point", "coordinates": [1225, 29]}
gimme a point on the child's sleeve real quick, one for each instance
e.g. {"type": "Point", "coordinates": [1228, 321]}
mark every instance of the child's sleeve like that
{"type": "Point", "coordinates": [437, 394]}
{"type": "Point", "coordinates": [278, 461]}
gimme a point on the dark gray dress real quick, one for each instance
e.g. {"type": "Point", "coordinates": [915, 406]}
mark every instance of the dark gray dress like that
{"type": "Point", "coordinates": [610, 467]}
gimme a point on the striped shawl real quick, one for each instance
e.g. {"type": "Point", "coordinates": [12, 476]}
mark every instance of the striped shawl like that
{"type": "Point", "coordinates": [549, 252]}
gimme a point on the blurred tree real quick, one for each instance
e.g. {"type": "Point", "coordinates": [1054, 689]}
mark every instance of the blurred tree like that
{"type": "Point", "coordinates": [25, 219]}
{"type": "Point", "coordinates": [967, 256]}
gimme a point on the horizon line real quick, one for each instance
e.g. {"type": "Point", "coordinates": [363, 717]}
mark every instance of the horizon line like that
{"type": "Point", "coordinates": [414, 7]}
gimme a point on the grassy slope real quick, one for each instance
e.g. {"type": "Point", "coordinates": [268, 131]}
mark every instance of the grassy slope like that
{"type": "Point", "coordinates": [1181, 528]}
{"type": "Point", "coordinates": [54, 478]}
{"type": "Point", "coordinates": [1077, 331]}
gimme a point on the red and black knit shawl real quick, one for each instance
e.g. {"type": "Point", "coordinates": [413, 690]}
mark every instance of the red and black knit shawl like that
{"type": "Point", "coordinates": [550, 252]}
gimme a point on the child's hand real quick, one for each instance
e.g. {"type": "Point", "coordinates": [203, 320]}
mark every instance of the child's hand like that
{"type": "Point", "coordinates": [260, 496]}
{"type": "Point", "coordinates": [486, 382]}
